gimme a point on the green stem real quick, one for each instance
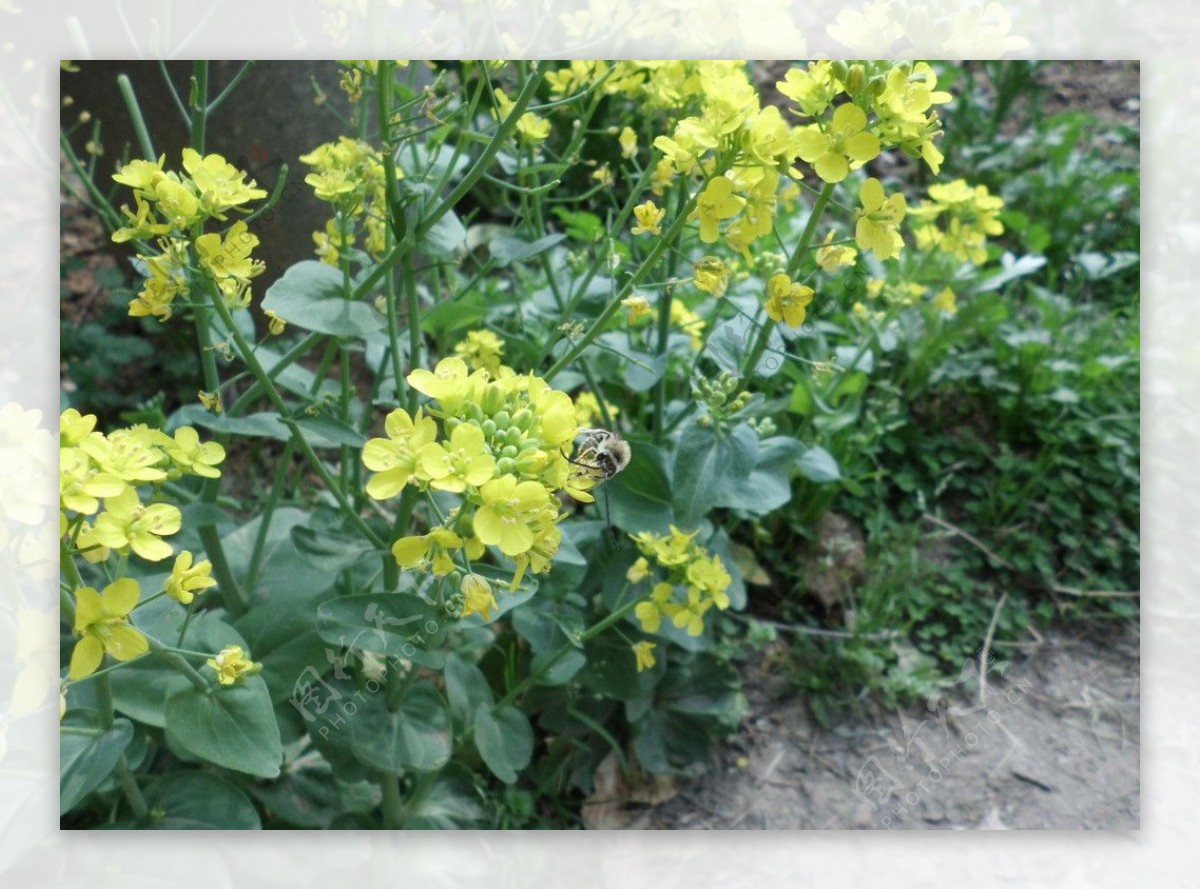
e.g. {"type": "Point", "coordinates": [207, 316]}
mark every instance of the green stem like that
{"type": "Point", "coordinates": [198, 102]}
{"type": "Point", "coordinates": [237, 78]}
{"type": "Point", "coordinates": [664, 334]}
{"type": "Point", "coordinates": [405, 246]}
{"type": "Point", "coordinates": [104, 701]}
{"type": "Point", "coordinates": [393, 803]}
{"type": "Point", "coordinates": [135, 115]}
{"type": "Point", "coordinates": [797, 258]}
{"type": "Point", "coordinates": [384, 84]}
{"type": "Point", "coordinates": [285, 416]}
{"type": "Point", "coordinates": [597, 326]}
{"type": "Point", "coordinates": [180, 664]}
{"type": "Point", "coordinates": [132, 792]}
{"type": "Point", "coordinates": [268, 510]}
{"type": "Point", "coordinates": [598, 628]}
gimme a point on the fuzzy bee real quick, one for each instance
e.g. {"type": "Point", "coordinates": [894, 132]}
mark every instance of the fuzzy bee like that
{"type": "Point", "coordinates": [602, 454]}
{"type": "Point", "coordinates": [603, 451]}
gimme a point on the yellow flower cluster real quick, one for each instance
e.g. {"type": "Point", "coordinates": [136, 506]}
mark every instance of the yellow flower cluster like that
{"type": "Point", "coordinates": [957, 219]}
{"type": "Point", "coordinates": [95, 467]}
{"type": "Point", "coordinates": [743, 151]}
{"type": "Point", "coordinates": [696, 581]}
{"type": "Point", "coordinates": [349, 175]}
{"type": "Point", "coordinates": [481, 349]}
{"type": "Point", "coordinates": [900, 97]}
{"type": "Point", "coordinates": [171, 208]}
{"type": "Point", "coordinates": [531, 128]}
{"type": "Point", "coordinates": [500, 442]}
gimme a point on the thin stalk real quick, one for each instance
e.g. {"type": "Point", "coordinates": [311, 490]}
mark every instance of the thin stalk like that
{"type": "Point", "coordinates": [135, 115]}
{"type": "Point", "coordinates": [133, 794]}
{"type": "Point", "coordinates": [477, 169]}
{"type": "Point", "coordinates": [237, 78]}
{"type": "Point", "coordinates": [286, 417]}
{"type": "Point", "coordinates": [798, 256]}
{"type": "Point", "coordinates": [597, 326]}
{"type": "Point", "coordinates": [198, 100]}
{"type": "Point", "coordinates": [598, 628]}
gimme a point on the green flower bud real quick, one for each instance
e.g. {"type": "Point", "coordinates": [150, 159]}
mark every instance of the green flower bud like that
{"type": "Point", "coordinates": [522, 418]}
{"type": "Point", "coordinates": [489, 428]}
{"type": "Point", "coordinates": [493, 401]}
{"type": "Point", "coordinates": [502, 418]}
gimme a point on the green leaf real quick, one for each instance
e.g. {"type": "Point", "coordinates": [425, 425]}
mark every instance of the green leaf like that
{"type": "Point", "coordinates": [266, 425]}
{"type": "Point", "coordinates": [504, 740]}
{"type": "Point", "coordinates": [324, 428]}
{"type": "Point", "coordinates": [769, 485]}
{"type": "Point", "coordinates": [506, 249]}
{"type": "Point", "coordinates": [200, 801]}
{"type": "Point", "coordinates": [330, 549]}
{"type": "Point", "coordinates": [282, 572]}
{"type": "Point", "coordinates": [817, 465]}
{"type": "Point", "coordinates": [1013, 268]}
{"type": "Point", "coordinates": [452, 802]}
{"type": "Point", "coordinates": [87, 756]}
{"type": "Point", "coordinates": [233, 726]}
{"type": "Point", "coordinates": [305, 795]}
{"type": "Point", "coordinates": [710, 468]}
{"type": "Point", "coordinates": [640, 496]}
{"type": "Point", "coordinates": [283, 636]}
{"type": "Point", "coordinates": [397, 624]}
{"type": "Point", "coordinates": [466, 689]}
{"type": "Point", "coordinates": [441, 236]}
{"type": "Point", "coordinates": [416, 736]}
{"type": "Point", "coordinates": [731, 341]}
{"type": "Point", "coordinates": [309, 296]}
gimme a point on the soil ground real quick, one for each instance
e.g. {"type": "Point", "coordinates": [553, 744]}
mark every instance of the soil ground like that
{"type": "Point", "coordinates": [1053, 742]}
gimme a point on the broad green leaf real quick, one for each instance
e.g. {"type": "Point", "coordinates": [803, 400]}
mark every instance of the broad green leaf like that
{"type": "Point", "coordinates": [640, 496]}
{"type": "Point", "coordinates": [232, 726]}
{"type": "Point", "coordinates": [282, 572]}
{"type": "Point", "coordinates": [330, 429]}
{"type": "Point", "coordinates": [416, 736]}
{"type": "Point", "coordinates": [87, 755]}
{"type": "Point", "coordinates": [466, 689]}
{"type": "Point", "coordinates": [504, 740]}
{"type": "Point", "coordinates": [769, 485]}
{"type": "Point", "coordinates": [265, 425]}
{"type": "Point", "coordinates": [730, 343]}
{"type": "Point", "coordinates": [330, 549]}
{"type": "Point", "coordinates": [397, 624]}
{"type": "Point", "coordinates": [817, 465]}
{"type": "Point", "coordinates": [1012, 268]}
{"type": "Point", "coordinates": [506, 249]}
{"type": "Point", "coordinates": [309, 296]}
{"type": "Point", "coordinates": [710, 468]}
{"type": "Point", "coordinates": [200, 801]}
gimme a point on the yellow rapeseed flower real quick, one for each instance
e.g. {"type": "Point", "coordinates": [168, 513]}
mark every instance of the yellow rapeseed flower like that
{"type": "Point", "coordinates": [102, 624]}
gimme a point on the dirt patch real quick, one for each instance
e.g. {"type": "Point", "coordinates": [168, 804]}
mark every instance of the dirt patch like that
{"type": "Point", "coordinates": [1052, 741]}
